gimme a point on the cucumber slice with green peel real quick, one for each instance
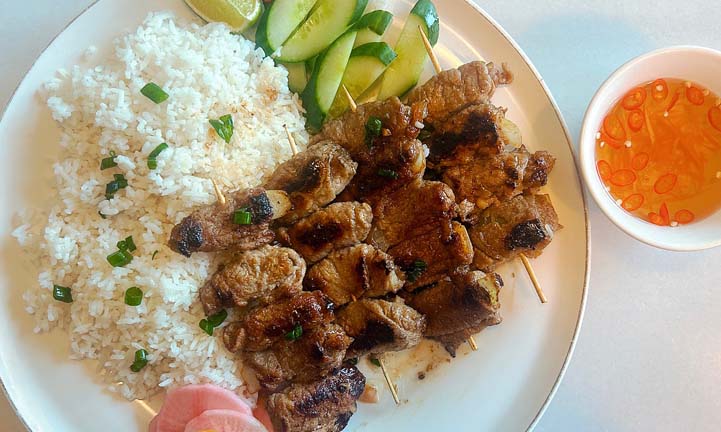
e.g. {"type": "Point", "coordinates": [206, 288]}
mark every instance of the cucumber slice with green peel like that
{"type": "Point", "coordinates": [280, 21]}
{"type": "Point", "coordinates": [372, 26]}
{"type": "Point", "coordinates": [403, 74]}
{"type": "Point", "coordinates": [297, 76]}
{"type": "Point", "coordinates": [367, 62]}
{"type": "Point", "coordinates": [323, 85]}
{"type": "Point", "coordinates": [329, 20]}
{"type": "Point", "coordinates": [310, 66]}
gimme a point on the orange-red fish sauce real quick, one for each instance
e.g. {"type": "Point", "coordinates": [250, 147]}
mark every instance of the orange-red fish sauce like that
{"type": "Point", "coordinates": [658, 152]}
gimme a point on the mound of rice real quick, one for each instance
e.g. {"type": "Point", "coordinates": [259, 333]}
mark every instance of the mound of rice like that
{"type": "Point", "coordinates": [208, 72]}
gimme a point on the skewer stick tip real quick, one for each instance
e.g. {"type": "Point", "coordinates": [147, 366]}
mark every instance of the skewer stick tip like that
{"type": "Point", "coordinates": [534, 279]}
{"type": "Point", "coordinates": [472, 343]}
{"type": "Point", "coordinates": [389, 381]}
{"type": "Point", "coordinates": [351, 102]}
{"type": "Point", "coordinates": [291, 140]}
{"type": "Point", "coordinates": [218, 193]}
{"type": "Point", "coordinates": [429, 48]}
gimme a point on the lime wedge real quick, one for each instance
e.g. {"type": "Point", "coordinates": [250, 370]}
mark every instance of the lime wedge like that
{"type": "Point", "coordinates": [238, 14]}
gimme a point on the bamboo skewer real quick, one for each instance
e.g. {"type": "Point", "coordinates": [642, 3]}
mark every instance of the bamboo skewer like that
{"type": "Point", "coordinates": [291, 140]}
{"type": "Point", "coordinates": [218, 193]}
{"type": "Point", "coordinates": [524, 259]}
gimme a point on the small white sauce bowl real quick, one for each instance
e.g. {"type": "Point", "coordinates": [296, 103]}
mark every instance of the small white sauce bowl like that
{"type": "Point", "coordinates": [690, 63]}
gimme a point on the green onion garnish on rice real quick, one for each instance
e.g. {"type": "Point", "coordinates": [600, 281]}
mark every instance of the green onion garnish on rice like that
{"type": "Point", "coordinates": [118, 183]}
{"type": "Point", "coordinates": [133, 296]}
{"type": "Point", "coordinates": [127, 245]}
{"type": "Point", "coordinates": [242, 217]}
{"type": "Point", "coordinates": [217, 319]}
{"type": "Point", "coordinates": [154, 253]}
{"type": "Point", "coordinates": [153, 92]}
{"type": "Point", "coordinates": [108, 162]}
{"type": "Point", "coordinates": [120, 258]}
{"type": "Point", "coordinates": [62, 294]}
{"type": "Point", "coordinates": [141, 360]}
{"type": "Point", "coordinates": [295, 334]}
{"type": "Point", "coordinates": [206, 326]}
{"type": "Point", "coordinates": [224, 127]}
{"type": "Point", "coordinates": [153, 156]}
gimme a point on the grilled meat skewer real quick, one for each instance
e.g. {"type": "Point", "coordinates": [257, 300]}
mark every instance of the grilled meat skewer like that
{"type": "Point", "coordinates": [212, 228]}
{"type": "Point", "coordinates": [265, 274]}
{"type": "Point", "coordinates": [334, 227]}
{"type": "Point", "coordinates": [379, 326]}
{"type": "Point", "coordinates": [322, 406]}
{"type": "Point", "coordinates": [313, 178]}
{"type": "Point", "coordinates": [265, 325]}
{"type": "Point", "coordinates": [360, 271]}
{"type": "Point", "coordinates": [459, 307]}
{"type": "Point", "coordinates": [315, 353]}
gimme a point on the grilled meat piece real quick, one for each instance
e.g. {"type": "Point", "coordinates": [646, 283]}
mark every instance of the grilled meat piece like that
{"type": "Point", "coordinates": [414, 210]}
{"type": "Point", "coordinates": [349, 130]}
{"type": "Point", "coordinates": [211, 228]}
{"type": "Point", "coordinates": [524, 224]}
{"type": "Point", "coordinates": [322, 406]}
{"type": "Point", "coordinates": [455, 89]}
{"type": "Point", "coordinates": [337, 226]}
{"type": "Point", "coordinates": [360, 271]}
{"type": "Point", "coordinates": [318, 351]}
{"type": "Point", "coordinates": [313, 178]}
{"type": "Point", "coordinates": [265, 274]}
{"type": "Point", "coordinates": [265, 325]}
{"type": "Point", "coordinates": [379, 326]}
{"type": "Point", "coordinates": [498, 178]}
{"type": "Point", "coordinates": [459, 308]}
{"type": "Point", "coordinates": [438, 252]}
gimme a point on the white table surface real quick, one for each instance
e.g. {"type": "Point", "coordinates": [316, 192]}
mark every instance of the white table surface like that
{"type": "Point", "coordinates": [649, 355]}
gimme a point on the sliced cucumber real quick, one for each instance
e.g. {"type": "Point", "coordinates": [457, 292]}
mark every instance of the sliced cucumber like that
{"type": "Point", "coordinates": [329, 20]}
{"type": "Point", "coordinates": [405, 71]}
{"type": "Point", "coordinates": [297, 76]}
{"type": "Point", "coordinates": [372, 26]}
{"type": "Point", "coordinates": [323, 85]}
{"type": "Point", "coordinates": [367, 62]}
{"type": "Point", "coordinates": [279, 21]}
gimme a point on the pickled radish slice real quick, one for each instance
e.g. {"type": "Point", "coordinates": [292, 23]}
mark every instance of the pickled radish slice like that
{"type": "Point", "coordinates": [663, 212]}
{"type": "Point", "coordinates": [714, 117]}
{"type": "Point", "coordinates": [614, 128]}
{"type": "Point", "coordinates": [153, 426]}
{"type": "Point", "coordinates": [224, 421]}
{"type": "Point", "coordinates": [604, 169]}
{"type": "Point", "coordinates": [634, 99]}
{"type": "Point", "coordinates": [655, 219]}
{"type": "Point", "coordinates": [185, 403]}
{"type": "Point", "coordinates": [262, 415]}
{"type": "Point", "coordinates": [633, 202]}
{"type": "Point", "coordinates": [665, 183]}
{"type": "Point", "coordinates": [684, 216]}
{"type": "Point", "coordinates": [695, 95]}
{"type": "Point", "coordinates": [639, 161]}
{"type": "Point", "coordinates": [636, 120]}
{"type": "Point", "coordinates": [623, 177]}
{"type": "Point", "coordinates": [659, 89]}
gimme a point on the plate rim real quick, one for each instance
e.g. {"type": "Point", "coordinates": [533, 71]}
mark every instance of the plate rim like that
{"type": "Point", "coordinates": [569, 142]}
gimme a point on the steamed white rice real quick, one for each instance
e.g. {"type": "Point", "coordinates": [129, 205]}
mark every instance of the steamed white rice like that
{"type": "Point", "coordinates": [208, 72]}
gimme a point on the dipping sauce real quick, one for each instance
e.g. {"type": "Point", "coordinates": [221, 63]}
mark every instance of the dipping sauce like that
{"type": "Point", "coordinates": [659, 152]}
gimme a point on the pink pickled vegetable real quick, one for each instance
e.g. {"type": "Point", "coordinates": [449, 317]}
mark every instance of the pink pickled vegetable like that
{"type": "Point", "coordinates": [224, 421]}
{"type": "Point", "coordinates": [186, 403]}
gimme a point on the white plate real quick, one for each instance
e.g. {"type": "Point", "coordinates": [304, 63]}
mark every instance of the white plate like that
{"type": "Point", "coordinates": [505, 386]}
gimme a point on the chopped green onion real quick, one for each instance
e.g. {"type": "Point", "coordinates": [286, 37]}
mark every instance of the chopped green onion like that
{"type": "Point", "coordinates": [153, 156]}
{"type": "Point", "coordinates": [153, 92]}
{"type": "Point", "coordinates": [243, 217]}
{"type": "Point", "coordinates": [374, 126]}
{"type": "Point", "coordinates": [206, 326]}
{"type": "Point", "coordinates": [108, 162]}
{"type": "Point", "coordinates": [102, 215]}
{"type": "Point", "coordinates": [118, 183]}
{"type": "Point", "coordinates": [154, 253]}
{"type": "Point", "coordinates": [424, 135]}
{"type": "Point", "coordinates": [120, 258]}
{"type": "Point", "coordinates": [62, 294]}
{"type": "Point", "coordinates": [414, 271]}
{"type": "Point", "coordinates": [217, 319]}
{"type": "Point", "coordinates": [224, 127]}
{"type": "Point", "coordinates": [388, 173]}
{"type": "Point", "coordinates": [141, 360]}
{"type": "Point", "coordinates": [295, 334]}
{"type": "Point", "coordinates": [375, 361]}
{"type": "Point", "coordinates": [133, 296]}
{"type": "Point", "coordinates": [127, 245]}
{"type": "Point", "coordinates": [353, 361]}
